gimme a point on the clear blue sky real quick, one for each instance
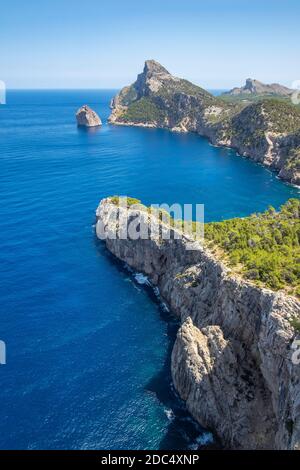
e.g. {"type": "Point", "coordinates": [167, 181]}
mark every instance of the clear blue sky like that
{"type": "Point", "coordinates": [97, 44]}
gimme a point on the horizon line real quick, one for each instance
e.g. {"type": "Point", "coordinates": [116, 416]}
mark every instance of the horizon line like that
{"type": "Point", "coordinates": [84, 89]}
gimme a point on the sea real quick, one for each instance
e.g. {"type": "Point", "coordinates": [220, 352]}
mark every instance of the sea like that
{"type": "Point", "coordinates": [88, 341]}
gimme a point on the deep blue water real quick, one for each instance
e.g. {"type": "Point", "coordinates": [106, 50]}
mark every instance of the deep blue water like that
{"type": "Point", "coordinates": [87, 347]}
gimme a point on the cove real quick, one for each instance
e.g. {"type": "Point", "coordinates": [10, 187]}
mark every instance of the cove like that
{"type": "Point", "coordinates": [87, 344]}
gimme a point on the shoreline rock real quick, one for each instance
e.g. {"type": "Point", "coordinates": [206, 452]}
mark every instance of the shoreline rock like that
{"type": "Point", "coordinates": [87, 117]}
{"type": "Point", "coordinates": [231, 361]}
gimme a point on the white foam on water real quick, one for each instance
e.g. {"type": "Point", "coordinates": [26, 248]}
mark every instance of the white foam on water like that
{"type": "Point", "coordinates": [169, 414]}
{"type": "Point", "coordinates": [141, 279]}
{"type": "Point", "coordinates": [162, 304]}
{"type": "Point", "coordinates": [203, 439]}
{"type": "Point", "coordinates": [156, 291]}
{"type": "Point", "coordinates": [165, 307]}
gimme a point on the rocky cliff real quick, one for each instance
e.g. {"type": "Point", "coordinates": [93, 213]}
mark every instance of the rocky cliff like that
{"type": "Point", "coordinates": [86, 117]}
{"type": "Point", "coordinates": [266, 131]}
{"type": "Point", "coordinates": [231, 361]}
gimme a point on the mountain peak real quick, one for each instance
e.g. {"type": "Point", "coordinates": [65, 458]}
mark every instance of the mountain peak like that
{"type": "Point", "coordinates": [252, 81]}
{"type": "Point", "coordinates": [255, 87]}
{"type": "Point", "coordinates": [153, 68]}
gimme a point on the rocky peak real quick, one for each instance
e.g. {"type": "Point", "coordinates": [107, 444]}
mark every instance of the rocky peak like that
{"type": "Point", "coordinates": [252, 85]}
{"type": "Point", "coordinates": [152, 68]}
{"type": "Point", "coordinates": [152, 78]}
{"type": "Point", "coordinates": [255, 87]}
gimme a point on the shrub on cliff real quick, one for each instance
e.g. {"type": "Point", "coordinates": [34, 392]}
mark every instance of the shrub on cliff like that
{"type": "Point", "coordinates": [143, 110]}
{"type": "Point", "coordinates": [263, 247]}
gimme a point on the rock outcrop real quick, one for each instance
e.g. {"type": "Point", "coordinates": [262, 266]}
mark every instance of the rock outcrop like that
{"type": "Point", "coordinates": [86, 117]}
{"type": "Point", "coordinates": [231, 361]}
{"type": "Point", "coordinates": [265, 131]}
{"type": "Point", "coordinates": [255, 87]}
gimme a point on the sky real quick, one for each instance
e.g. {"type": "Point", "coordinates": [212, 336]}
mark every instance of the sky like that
{"type": "Point", "coordinates": [103, 44]}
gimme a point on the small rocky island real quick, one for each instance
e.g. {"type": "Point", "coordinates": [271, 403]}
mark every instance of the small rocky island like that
{"type": "Point", "coordinates": [232, 359]}
{"type": "Point", "coordinates": [266, 130]}
{"type": "Point", "coordinates": [87, 117]}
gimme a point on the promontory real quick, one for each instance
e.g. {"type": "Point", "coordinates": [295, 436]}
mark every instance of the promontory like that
{"type": "Point", "coordinates": [233, 362]}
{"type": "Point", "coordinates": [266, 130]}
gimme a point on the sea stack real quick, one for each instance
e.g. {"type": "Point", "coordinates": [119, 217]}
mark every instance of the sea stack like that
{"type": "Point", "coordinates": [86, 117]}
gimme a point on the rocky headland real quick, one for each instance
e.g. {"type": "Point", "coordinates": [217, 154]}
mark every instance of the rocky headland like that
{"type": "Point", "coordinates": [86, 117]}
{"type": "Point", "coordinates": [231, 362]}
{"type": "Point", "coordinates": [255, 87]}
{"type": "Point", "coordinates": [267, 130]}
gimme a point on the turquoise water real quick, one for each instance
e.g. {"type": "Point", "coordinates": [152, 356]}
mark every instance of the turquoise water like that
{"type": "Point", "coordinates": [87, 346]}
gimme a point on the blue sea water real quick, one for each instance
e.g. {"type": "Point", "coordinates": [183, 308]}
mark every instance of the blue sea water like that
{"type": "Point", "coordinates": [88, 347]}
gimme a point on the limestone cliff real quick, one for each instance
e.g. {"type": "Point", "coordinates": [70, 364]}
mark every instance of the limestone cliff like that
{"type": "Point", "coordinates": [231, 361]}
{"type": "Point", "coordinates": [265, 131]}
{"type": "Point", "coordinates": [86, 117]}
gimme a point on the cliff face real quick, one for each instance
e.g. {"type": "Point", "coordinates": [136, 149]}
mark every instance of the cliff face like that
{"type": "Point", "coordinates": [263, 131]}
{"type": "Point", "coordinates": [269, 132]}
{"type": "Point", "coordinates": [231, 361]}
{"type": "Point", "coordinates": [86, 117]}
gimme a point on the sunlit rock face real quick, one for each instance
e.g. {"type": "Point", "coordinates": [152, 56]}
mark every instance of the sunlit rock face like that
{"type": "Point", "coordinates": [86, 117]}
{"type": "Point", "coordinates": [232, 358]}
{"type": "Point", "coordinates": [267, 131]}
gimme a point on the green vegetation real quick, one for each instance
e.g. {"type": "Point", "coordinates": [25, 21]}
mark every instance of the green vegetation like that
{"type": "Point", "coordinates": [263, 247]}
{"type": "Point", "coordinates": [250, 125]}
{"type": "Point", "coordinates": [130, 200]}
{"type": "Point", "coordinates": [143, 110]}
{"type": "Point", "coordinates": [254, 98]}
{"type": "Point", "coordinates": [154, 108]}
{"type": "Point", "coordinates": [293, 162]}
{"type": "Point", "coordinates": [284, 116]}
{"type": "Point", "coordinates": [295, 322]}
{"type": "Point", "coordinates": [278, 116]}
{"type": "Point", "coordinates": [188, 88]}
{"type": "Point", "coordinates": [128, 95]}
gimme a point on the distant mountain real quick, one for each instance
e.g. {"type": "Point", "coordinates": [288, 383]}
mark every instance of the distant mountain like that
{"type": "Point", "coordinates": [254, 87]}
{"type": "Point", "coordinates": [266, 130]}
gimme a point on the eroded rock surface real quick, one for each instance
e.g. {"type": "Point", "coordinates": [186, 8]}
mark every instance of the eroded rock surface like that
{"type": "Point", "coordinates": [231, 361]}
{"type": "Point", "coordinates": [86, 117]}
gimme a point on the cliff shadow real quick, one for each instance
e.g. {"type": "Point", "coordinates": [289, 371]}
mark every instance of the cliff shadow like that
{"type": "Point", "coordinates": [183, 432]}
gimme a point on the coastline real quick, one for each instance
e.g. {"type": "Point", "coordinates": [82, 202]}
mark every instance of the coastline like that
{"type": "Point", "coordinates": [265, 131]}
{"type": "Point", "coordinates": [181, 423]}
{"type": "Point", "coordinates": [234, 339]}
{"type": "Point", "coordinates": [213, 144]}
